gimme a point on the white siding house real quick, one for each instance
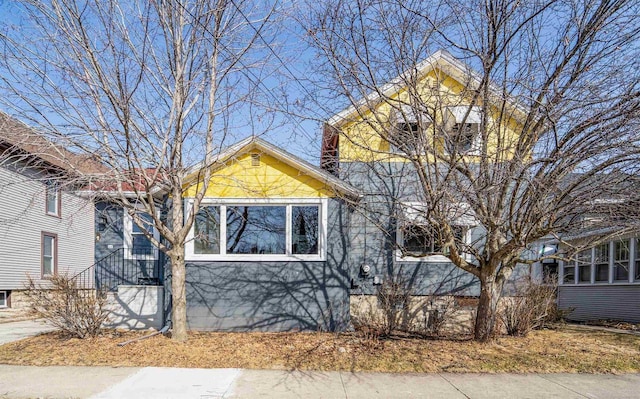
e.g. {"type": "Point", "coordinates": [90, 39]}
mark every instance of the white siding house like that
{"type": "Point", "coordinates": [43, 229]}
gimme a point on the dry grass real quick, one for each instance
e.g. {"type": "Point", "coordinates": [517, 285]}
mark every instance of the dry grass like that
{"type": "Point", "coordinates": [564, 350]}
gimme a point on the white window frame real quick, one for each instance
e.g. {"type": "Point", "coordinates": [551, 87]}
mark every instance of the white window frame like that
{"type": "Point", "coordinates": [127, 227]}
{"type": "Point", "coordinates": [3, 299]}
{"type": "Point", "coordinates": [288, 203]}
{"type": "Point", "coordinates": [430, 258]}
{"type": "Point", "coordinates": [474, 117]}
{"type": "Point", "coordinates": [407, 115]}
{"type": "Point", "coordinates": [52, 187]}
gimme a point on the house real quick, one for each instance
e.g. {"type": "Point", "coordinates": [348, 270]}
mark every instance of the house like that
{"type": "Point", "coordinates": [597, 264]}
{"type": "Point", "coordinates": [45, 227]}
{"type": "Point", "coordinates": [280, 244]}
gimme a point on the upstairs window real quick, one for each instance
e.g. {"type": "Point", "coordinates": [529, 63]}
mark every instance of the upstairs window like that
{"type": "Point", "coordinates": [408, 127]}
{"type": "Point", "coordinates": [52, 198]}
{"type": "Point", "coordinates": [465, 131]}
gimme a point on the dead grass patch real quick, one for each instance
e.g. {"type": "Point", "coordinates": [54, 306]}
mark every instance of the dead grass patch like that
{"type": "Point", "coordinates": [546, 351]}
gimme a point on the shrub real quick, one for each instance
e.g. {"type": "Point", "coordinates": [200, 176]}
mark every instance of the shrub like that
{"type": "Point", "coordinates": [77, 312]}
{"type": "Point", "coordinates": [533, 306]}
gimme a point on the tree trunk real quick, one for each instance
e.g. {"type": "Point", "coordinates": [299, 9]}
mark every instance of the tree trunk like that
{"type": "Point", "coordinates": [179, 297]}
{"type": "Point", "coordinates": [487, 312]}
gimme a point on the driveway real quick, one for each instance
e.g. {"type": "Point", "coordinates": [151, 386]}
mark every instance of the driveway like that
{"type": "Point", "coordinates": [18, 330]}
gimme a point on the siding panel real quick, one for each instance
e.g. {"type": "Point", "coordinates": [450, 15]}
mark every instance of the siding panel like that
{"type": "Point", "coordinates": [22, 220]}
{"type": "Point", "coordinates": [596, 302]}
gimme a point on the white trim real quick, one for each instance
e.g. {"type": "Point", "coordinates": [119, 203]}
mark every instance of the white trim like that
{"type": "Point", "coordinates": [3, 299]}
{"type": "Point", "coordinates": [410, 210]}
{"type": "Point", "coordinates": [127, 232]}
{"type": "Point", "coordinates": [288, 203]}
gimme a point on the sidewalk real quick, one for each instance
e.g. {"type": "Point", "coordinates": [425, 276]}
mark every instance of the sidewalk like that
{"type": "Point", "coordinates": [151, 382]}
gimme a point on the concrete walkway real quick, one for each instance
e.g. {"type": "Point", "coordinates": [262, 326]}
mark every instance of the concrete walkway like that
{"type": "Point", "coordinates": [18, 330]}
{"type": "Point", "coordinates": [151, 382]}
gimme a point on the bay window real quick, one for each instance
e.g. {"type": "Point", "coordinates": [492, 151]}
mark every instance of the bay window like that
{"type": "Point", "coordinates": [259, 230]}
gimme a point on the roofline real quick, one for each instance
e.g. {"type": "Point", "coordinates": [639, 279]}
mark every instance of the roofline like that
{"type": "Point", "coordinates": [268, 148]}
{"type": "Point", "coordinates": [398, 83]}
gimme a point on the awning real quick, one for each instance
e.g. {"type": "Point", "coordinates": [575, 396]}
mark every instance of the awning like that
{"type": "Point", "coordinates": [408, 114]}
{"type": "Point", "coordinates": [417, 213]}
{"type": "Point", "coordinates": [459, 113]}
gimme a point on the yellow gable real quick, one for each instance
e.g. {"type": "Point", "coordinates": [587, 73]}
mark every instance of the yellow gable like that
{"type": "Point", "coordinates": [248, 176]}
{"type": "Point", "coordinates": [363, 141]}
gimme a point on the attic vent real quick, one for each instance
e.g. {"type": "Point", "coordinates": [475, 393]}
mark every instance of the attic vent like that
{"type": "Point", "coordinates": [255, 159]}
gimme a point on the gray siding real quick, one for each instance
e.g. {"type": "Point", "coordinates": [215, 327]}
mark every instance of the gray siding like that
{"type": "Point", "coordinates": [112, 266]}
{"type": "Point", "coordinates": [602, 301]}
{"type": "Point", "coordinates": [274, 296]}
{"type": "Point", "coordinates": [23, 219]}
{"type": "Point", "coordinates": [372, 232]}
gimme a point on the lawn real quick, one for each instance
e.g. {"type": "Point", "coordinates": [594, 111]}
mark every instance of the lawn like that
{"type": "Point", "coordinates": [562, 350]}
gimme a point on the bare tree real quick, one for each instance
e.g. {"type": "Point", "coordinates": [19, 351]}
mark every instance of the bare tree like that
{"type": "Point", "coordinates": [531, 121]}
{"type": "Point", "coordinates": [147, 88]}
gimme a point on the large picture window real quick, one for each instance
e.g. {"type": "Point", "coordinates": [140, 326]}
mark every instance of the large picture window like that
{"type": "Point", "coordinates": [256, 229]}
{"type": "Point", "coordinates": [259, 230]}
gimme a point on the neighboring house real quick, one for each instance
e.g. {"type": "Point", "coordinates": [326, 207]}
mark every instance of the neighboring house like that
{"type": "Point", "coordinates": [602, 280]}
{"type": "Point", "coordinates": [45, 228]}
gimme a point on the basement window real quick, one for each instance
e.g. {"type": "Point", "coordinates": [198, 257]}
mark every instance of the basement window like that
{"type": "Point", "coordinates": [4, 302]}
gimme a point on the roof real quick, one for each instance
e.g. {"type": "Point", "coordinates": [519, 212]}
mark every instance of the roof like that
{"type": "Point", "coordinates": [256, 143]}
{"type": "Point", "coordinates": [442, 60]}
{"type": "Point", "coordinates": [25, 143]}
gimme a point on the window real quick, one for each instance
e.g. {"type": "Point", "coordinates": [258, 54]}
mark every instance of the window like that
{"type": "Point", "coordinates": [583, 260]}
{"type": "Point", "coordinates": [4, 302]}
{"type": "Point", "coordinates": [408, 126]}
{"type": "Point", "coordinates": [418, 237]}
{"type": "Point", "coordinates": [621, 260]}
{"type": "Point", "coordinates": [52, 199]}
{"type": "Point", "coordinates": [49, 254]}
{"type": "Point", "coordinates": [465, 131]}
{"type": "Point", "coordinates": [259, 230]}
{"type": "Point", "coordinates": [137, 244]}
{"type": "Point", "coordinates": [463, 137]}
{"type": "Point", "coordinates": [256, 229]}
{"type": "Point", "coordinates": [601, 262]}
{"type": "Point", "coordinates": [207, 230]}
{"type": "Point", "coordinates": [569, 270]}
{"type": "Point", "coordinates": [637, 260]}
{"type": "Point", "coordinates": [305, 239]}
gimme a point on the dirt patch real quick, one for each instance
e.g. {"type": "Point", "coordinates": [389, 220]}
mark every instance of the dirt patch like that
{"type": "Point", "coordinates": [548, 351]}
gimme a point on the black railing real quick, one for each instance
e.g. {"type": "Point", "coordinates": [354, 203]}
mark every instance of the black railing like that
{"type": "Point", "coordinates": [142, 266]}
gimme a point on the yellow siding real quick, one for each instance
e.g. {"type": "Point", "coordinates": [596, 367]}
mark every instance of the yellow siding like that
{"type": "Point", "coordinates": [362, 139]}
{"type": "Point", "coordinates": [272, 179]}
